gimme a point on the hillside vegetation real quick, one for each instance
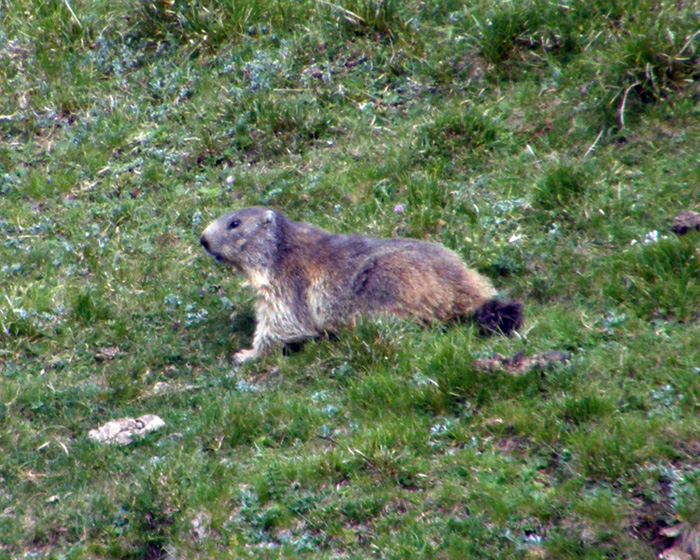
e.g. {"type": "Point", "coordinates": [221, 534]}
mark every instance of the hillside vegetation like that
{"type": "Point", "coordinates": [549, 143]}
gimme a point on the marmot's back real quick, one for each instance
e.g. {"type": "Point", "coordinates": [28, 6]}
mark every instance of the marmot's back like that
{"type": "Point", "coordinates": [310, 281]}
{"type": "Point", "coordinates": [421, 280]}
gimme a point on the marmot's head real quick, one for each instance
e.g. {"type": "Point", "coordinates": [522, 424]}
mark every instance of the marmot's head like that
{"type": "Point", "coordinates": [246, 239]}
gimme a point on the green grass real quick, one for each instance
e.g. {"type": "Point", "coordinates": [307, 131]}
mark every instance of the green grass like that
{"type": "Point", "coordinates": [543, 141]}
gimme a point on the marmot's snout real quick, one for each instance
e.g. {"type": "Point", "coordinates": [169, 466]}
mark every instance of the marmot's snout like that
{"type": "Point", "coordinates": [207, 247]}
{"type": "Point", "coordinates": [205, 244]}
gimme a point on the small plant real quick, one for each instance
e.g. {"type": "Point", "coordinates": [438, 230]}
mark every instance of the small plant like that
{"type": "Point", "coordinates": [561, 185]}
{"type": "Point", "coordinates": [212, 23]}
{"type": "Point", "coordinates": [456, 133]}
{"type": "Point", "coordinates": [687, 497]}
{"type": "Point", "coordinates": [381, 17]}
{"type": "Point", "coordinates": [657, 53]}
{"type": "Point", "coordinates": [272, 125]}
{"type": "Point", "coordinates": [582, 409]}
{"type": "Point", "coordinates": [88, 306]}
{"type": "Point", "coordinates": [500, 30]}
{"type": "Point", "coordinates": [606, 453]}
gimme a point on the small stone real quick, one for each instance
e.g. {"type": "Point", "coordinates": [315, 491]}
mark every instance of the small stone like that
{"type": "Point", "coordinates": [675, 554]}
{"type": "Point", "coordinates": [687, 542]}
{"type": "Point", "coordinates": [685, 221]}
{"type": "Point", "coordinates": [107, 354]}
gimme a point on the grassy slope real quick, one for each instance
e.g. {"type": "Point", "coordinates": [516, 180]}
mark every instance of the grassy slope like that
{"type": "Point", "coordinates": [537, 139]}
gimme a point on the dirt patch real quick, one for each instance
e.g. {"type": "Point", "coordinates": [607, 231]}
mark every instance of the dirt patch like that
{"type": "Point", "coordinates": [520, 364]}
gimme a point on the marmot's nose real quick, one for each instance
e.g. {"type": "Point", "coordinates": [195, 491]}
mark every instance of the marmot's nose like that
{"type": "Point", "coordinates": [205, 244]}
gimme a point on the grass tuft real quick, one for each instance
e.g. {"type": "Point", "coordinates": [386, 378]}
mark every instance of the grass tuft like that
{"type": "Point", "coordinates": [659, 279]}
{"type": "Point", "coordinates": [502, 29]}
{"type": "Point", "coordinates": [455, 132]}
{"type": "Point", "coordinates": [210, 24]}
{"type": "Point", "coordinates": [561, 187]}
{"type": "Point", "coordinates": [377, 18]}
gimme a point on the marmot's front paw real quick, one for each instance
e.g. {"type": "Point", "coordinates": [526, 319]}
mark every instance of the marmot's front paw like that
{"type": "Point", "coordinates": [244, 356]}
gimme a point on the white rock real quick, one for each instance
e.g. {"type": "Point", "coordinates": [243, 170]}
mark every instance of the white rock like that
{"type": "Point", "coordinates": [124, 430]}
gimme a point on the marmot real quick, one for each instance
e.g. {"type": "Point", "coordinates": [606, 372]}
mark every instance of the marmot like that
{"type": "Point", "coordinates": [309, 281]}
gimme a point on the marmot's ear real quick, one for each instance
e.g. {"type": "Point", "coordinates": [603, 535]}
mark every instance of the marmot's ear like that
{"type": "Point", "coordinates": [269, 217]}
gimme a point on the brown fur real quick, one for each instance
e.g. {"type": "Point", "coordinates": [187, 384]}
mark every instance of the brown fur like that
{"type": "Point", "coordinates": [310, 281]}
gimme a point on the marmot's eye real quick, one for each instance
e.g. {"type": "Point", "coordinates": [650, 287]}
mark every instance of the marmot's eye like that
{"type": "Point", "coordinates": [234, 224]}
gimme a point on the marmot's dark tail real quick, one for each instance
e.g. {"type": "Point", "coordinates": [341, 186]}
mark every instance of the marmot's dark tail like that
{"type": "Point", "coordinates": [499, 316]}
